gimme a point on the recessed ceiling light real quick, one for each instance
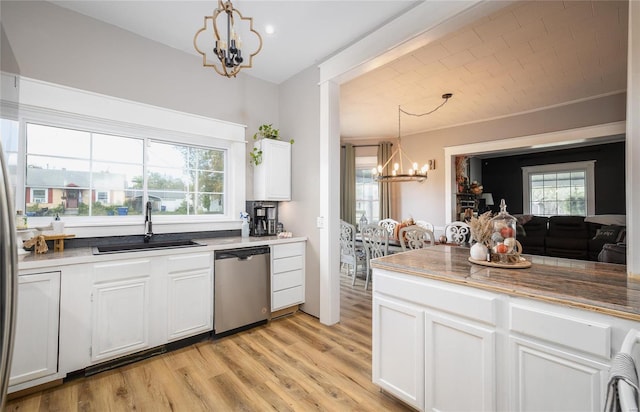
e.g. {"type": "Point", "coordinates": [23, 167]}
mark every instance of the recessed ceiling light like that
{"type": "Point", "coordinates": [269, 29]}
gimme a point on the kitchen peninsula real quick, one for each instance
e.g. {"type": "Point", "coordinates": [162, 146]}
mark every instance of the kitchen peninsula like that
{"type": "Point", "coordinates": [452, 335]}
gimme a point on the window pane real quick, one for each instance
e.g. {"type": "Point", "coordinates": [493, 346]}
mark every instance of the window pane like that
{"type": "Point", "coordinates": [66, 164]}
{"type": "Point", "coordinates": [558, 193]}
{"type": "Point", "coordinates": [185, 179]}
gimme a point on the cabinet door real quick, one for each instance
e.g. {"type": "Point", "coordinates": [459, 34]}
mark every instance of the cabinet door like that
{"type": "Point", "coordinates": [272, 177]}
{"type": "Point", "coordinates": [460, 365]}
{"type": "Point", "coordinates": [545, 378]}
{"type": "Point", "coordinates": [398, 349]}
{"type": "Point", "coordinates": [35, 352]}
{"type": "Point", "coordinates": [190, 303]}
{"type": "Point", "coordinates": [120, 318]}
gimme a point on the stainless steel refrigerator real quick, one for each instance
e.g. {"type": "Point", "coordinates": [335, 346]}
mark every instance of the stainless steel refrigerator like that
{"type": "Point", "coordinates": [8, 278]}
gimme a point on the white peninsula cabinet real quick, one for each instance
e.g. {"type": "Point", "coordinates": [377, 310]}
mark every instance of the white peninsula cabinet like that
{"type": "Point", "coordinates": [35, 353]}
{"type": "Point", "coordinates": [272, 177]}
{"type": "Point", "coordinates": [440, 346]}
{"type": "Point", "coordinates": [287, 275]}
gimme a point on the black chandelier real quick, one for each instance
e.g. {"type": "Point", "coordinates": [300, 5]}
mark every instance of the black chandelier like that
{"type": "Point", "coordinates": [227, 49]}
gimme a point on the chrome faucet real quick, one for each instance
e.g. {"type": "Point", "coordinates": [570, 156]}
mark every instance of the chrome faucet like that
{"type": "Point", "coordinates": [148, 226]}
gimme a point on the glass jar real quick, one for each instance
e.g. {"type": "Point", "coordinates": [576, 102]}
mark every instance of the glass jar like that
{"type": "Point", "coordinates": [21, 220]}
{"type": "Point", "coordinates": [503, 236]}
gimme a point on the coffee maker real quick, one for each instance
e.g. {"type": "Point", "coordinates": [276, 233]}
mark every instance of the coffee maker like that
{"type": "Point", "coordinates": [263, 217]}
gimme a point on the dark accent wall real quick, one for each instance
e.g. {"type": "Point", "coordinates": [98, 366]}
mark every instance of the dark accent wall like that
{"type": "Point", "coordinates": [502, 176]}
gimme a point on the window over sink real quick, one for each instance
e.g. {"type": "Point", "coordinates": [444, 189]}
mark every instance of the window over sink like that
{"type": "Point", "coordinates": [74, 172]}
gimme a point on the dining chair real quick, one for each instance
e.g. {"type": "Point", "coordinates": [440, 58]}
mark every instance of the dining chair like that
{"type": "Point", "coordinates": [425, 224]}
{"type": "Point", "coordinates": [350, 254]}
{"type": "Point", "coordinates": [389, 225]}
{"type": "Point", "coordinates": [457, 232]}
{"type": "Point", "coordinates": [375, 239]}
{"type": "Point", "coordinates": [415, 237]}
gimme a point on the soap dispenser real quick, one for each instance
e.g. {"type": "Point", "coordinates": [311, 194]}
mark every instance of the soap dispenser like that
{"type": "Point", "coordinates": [57, 225]}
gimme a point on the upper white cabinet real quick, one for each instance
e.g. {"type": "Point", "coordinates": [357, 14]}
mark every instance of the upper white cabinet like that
{"type": "Point", "coordinates": [35, 353]}
{"type": "Point", "coordinates": [272, 177]}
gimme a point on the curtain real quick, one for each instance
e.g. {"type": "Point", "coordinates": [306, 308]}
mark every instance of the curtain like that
{"type": "Point", "coordinates": [348, 184]}
{"type": "Point", "coordinates": [385, 151]}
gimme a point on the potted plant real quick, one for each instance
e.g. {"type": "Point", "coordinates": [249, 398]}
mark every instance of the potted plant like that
{"type": "Point", "coordinates": [265, 131]}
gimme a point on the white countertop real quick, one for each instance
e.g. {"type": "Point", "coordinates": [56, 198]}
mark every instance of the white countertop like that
{"type": "Point", "coordinates": [80, 255]}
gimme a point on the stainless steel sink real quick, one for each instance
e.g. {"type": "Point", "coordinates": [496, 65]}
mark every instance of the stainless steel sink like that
{"type": "Point", "coordinates": [138, 247]}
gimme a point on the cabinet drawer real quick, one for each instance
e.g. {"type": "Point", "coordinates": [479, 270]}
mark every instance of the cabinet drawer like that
{"type": "Point", "coordinates": [183, 263]}
{"type": "Point", "coordinates": [287, 264]}
{"type": "Point", "coordinates": [287, 250]}
{"type": "Point", "coordinates": [119, 270]}
{"type": "Point", "coordinates": [560, 328]}
{"type": "Point", "coordinates": [287, 280]}
{"type": "Point", "coordinates": [288, 297]}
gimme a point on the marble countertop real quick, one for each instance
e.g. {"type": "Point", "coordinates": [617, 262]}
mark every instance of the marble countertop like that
{"type": "Point", "coordinates": [595, 286]}
{"type": "Point", "coordinates": [80, 255]}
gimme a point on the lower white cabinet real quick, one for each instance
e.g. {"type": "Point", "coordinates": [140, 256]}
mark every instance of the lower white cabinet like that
{"type": "Point", "coordinates": [398, 349]}
{"type": "Point", "coordinates": [189, 295]}
{"type": "Point", "coordinates": [287, 275]}
{"type": "Point", "coordinates": [548, 378]}
{"type": "Point", "coordinates": [444, 347]}
{"type": "Point", "coordinates": [120, 303]}
{"type": "Point", "coordinates": [35, 353]}
{"type": "Point", "coordinates": [460, 364]}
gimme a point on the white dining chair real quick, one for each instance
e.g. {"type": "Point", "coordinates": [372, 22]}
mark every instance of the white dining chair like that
{"type": "Point", "coordinates": [457, 232]}
{"type": "Point", "coordinates": [425, 224]}
{"type": "Point", "coordinates": [375, 240]}
{"type": "Point", "coordinates": [415, 237]}
{"type": "Point", "coordinates": [350, 254]}
{"type": "Point", "coordinates": [389, 225]}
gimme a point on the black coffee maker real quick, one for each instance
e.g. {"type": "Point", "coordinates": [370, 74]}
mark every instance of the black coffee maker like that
{"type": "Point", "coordinates": [263, 217]}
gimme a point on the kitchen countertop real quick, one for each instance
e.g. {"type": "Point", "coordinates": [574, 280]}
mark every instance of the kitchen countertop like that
{"type": "Point", "coordinates": [79, 255]}
{"type": "Point", "coordinates": [595, 286]}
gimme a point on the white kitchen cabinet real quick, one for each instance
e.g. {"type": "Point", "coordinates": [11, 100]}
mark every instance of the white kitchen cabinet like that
{"type": "Point", "coordinates": [35, 353]}
{"type": "Point", "coordinates": [398, 349]}
{"type": "Point", "coordinates": [485, 351]}
{"type": "Point", "coordinates": [287, 275]}
{"type": "Point", "coordinates": [120, 302]}
{"type": "Point", "coordinates": [460, 357]}
{"type": "Point", "coordinates": [559, 359]}
{"type": "Point", "coordinates": [189, 295]}
{"type": "Point", "coordinates": [272, 177]}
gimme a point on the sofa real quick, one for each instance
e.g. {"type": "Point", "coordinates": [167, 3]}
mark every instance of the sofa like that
{"type": "Point", "coordinates": [573, 237]}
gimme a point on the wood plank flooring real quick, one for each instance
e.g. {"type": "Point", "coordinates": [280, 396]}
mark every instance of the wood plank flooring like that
{"type": "Point", "coordinates": [292, 364]}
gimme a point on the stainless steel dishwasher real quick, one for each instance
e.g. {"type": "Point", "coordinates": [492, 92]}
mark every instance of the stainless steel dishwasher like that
{"type": "Point", "coordinates": [241, 288]}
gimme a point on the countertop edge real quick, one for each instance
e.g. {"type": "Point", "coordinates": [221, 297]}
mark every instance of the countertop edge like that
{"type": "Point", "coordinates": [82, 255]}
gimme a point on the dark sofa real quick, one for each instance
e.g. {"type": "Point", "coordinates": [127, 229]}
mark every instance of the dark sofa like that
{"type": "Point", "coordinates": [565, 236]}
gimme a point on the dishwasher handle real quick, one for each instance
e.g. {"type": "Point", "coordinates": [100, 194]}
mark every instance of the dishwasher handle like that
{"type": "Point", "coordinates": [241, 254]}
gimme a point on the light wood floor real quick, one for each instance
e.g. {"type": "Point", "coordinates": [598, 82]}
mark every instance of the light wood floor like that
{"type": "Point", "coordinates": [292, 364]}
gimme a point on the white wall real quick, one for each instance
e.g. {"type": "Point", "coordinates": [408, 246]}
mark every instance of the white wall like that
{"type": "Point", "coordinates": [299, 110]}
{"type": "Point", "coordinates": [60, 46]}
{"type": "Point", "coordinates": [426, 201]}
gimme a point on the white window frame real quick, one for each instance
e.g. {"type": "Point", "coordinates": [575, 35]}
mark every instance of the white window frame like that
{"type": "Point", "coordinates": [366, 162]}
{"type": "Point", "coordinates": [60, 106]}
{"type": "Point", "coordinates": [106, 192]}
{"type": "Point", "coordinates": [33, 196]}
{"type": "Point", "coordinates": [587, 166]}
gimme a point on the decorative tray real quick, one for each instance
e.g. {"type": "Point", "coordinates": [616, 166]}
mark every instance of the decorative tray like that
{"type": "Point", "coordinates": [522, 264]}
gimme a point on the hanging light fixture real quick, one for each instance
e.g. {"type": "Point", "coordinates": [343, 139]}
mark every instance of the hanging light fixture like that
{"type": "Point", "coordinates": [228, 44]}
{"type": "Point", "coordinates": [398, 173]}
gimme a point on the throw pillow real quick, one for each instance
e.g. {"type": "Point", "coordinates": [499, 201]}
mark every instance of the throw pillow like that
{"type": "Point", "coordinates": [608, 234]}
